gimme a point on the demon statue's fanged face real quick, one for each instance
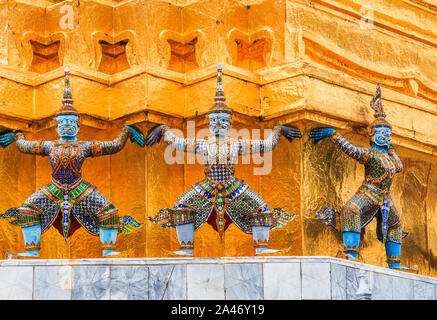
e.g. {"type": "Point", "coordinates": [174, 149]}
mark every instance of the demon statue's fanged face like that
{"type": "Point", "coordinates": [219, 124]}
{"type": "Point", "coordinates": [381, 136]}
{"type": "Point", "coordinates": [67, 126]}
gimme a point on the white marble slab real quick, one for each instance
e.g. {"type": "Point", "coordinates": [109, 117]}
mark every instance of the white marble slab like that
{"type": "Point", "coordinates": [218, 278]}
{"type": "Point", "coordinates": [205, 282]}
{"type": "Point", "coordinates": [168, 282]}
{"type": "Point", "coordinates": [282, 281]}
{"type": "Point", "coordinates": [382, 286]}
{"type": "Point", "coordinates": [351, 283]}
{"type": "Point", "coordinates": [316, 281]}
{"type": "Point", "coordinates": [243, 281]}
{"type": "Point", "coordinates": [424, 291]}
{"type": "Point", "coordinates": [338, 282]}
{"type": "Point", "coordinates": [16, 283]}
{"type": "Point", "coordinates": [129, 283]}
{"type": "Point", "coordinates": [90, 283]}
{"type": "Point", "coordinates": [215, 260]}
{"type": "Point", "coordinates": [403, 289]}
{"type": "Point", "coordinates": [52, 283]}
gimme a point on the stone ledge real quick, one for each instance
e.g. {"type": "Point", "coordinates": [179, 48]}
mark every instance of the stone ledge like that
{"type": "Point", "coordinates": [223, 278]}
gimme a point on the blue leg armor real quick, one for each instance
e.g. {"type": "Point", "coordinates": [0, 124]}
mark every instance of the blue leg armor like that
{"type": "Point", "coordinates": [185, 233]}
{"type": "Point", "coordinates": [351, 241]}
{"type": "Point", "coordinates": [32, 240]}
{"type": "Point", "coordinates": [393, 252]}
{"type": "Point", "coordinates": [108, 237]}
{"type": "Point", "coordinates": [261, 240]}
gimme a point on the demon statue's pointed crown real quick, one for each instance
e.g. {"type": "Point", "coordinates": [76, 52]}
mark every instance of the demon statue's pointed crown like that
{"type": "Point", "coordinates": [67, 100]}
{"type": "Point", "coordinates": [379, 114]}
{"type": "Point", "coordinates": [219, 99]}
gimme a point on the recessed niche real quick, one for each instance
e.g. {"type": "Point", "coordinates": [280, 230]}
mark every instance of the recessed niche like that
{"type": "Point", "coordinates": [251, 50]}
{"type": "Point", "coordinates": [113, 57]}
{"type": "Point", "coordinates": [45, 56]}
{"type": "Point", "coordinates": [182, 55]}
{"type": "Point", "coordinates": [250, 55]}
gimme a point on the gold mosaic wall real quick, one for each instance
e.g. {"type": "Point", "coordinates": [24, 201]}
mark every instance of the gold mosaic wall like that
{"type": "Point", "coordinates": [303, 63]}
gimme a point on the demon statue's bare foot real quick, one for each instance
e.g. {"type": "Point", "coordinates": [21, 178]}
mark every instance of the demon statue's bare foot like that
{"type": "Point", "coordinates": [393, 251]}
{"type": "Point", "coordinates": [109, 252]}
{"type": "Point", "coordinates": [30, 253]}
{"type": "Point", "coordinates": [184, 252]}
{"type": "Point", "coordinates": [346, 255]}
{"type": "Point", "coordinates": [413, 269]}
{"type": "Point", "coordinates": [27, 254]}
{"type": "Point", "coordinates": [265, 251]}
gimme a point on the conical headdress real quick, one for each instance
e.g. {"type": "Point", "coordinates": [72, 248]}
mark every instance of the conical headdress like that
{"type": "Point", "coordinates": [67, 100]}
{"type": "Point", "coordinates": [219, 99]}
{"type": "Point", "coordinates": [379, 114]}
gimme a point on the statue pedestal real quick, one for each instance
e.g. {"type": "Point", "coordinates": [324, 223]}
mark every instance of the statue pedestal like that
{"type": "Point", "coordinates": [274, 277]}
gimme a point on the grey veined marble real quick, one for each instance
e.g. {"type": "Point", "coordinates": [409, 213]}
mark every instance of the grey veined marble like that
{"type": "Point", "coordinates": [129, 283]}
{"type": "Point", "coordinates": [382, 287]}
{"type": "Point", "coordinates": [316, 281]}
{"type": "Point", "coordinates": [52, 283]}
{"type": "Point", "coordinates": [338, 282]}
{"type": "Point", "coordinates": [423, 291]}
{"type": "Point", "coordinates": [351, 283]}
{"type": "Point", "coordinates": [168, 282]}
{"type": "Point", "coordinates": [243, 281]}
{"type": "Point", "coordinates": [16, 283]}
{"type": "Point", "coordinates": [206, 282]}
{"type": "Point", "coordinates": [282, 281]}
{"type": "Point", "coordinates": [403, 289]}
{"type": "Point", "coordinates": [208, 278]}
{"type": "Point", "coordinates": [90, 283]}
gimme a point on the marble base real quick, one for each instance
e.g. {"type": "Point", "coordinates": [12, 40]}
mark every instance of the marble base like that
{"type": "Point", "coordinates": [242, 278]}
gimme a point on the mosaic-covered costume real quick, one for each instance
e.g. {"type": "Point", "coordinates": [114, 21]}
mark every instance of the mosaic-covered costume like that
{"type": "Point", "coordinates": [372, 198]}
{"type": "Point", "coordinates": [221, 198]}
{"type": "Point", "coordinates": [68, 194]}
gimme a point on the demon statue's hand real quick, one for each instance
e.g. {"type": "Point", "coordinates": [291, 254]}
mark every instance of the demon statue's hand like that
{"type": "Point", "coordinates": [290, 132]}
{"type": "Point", "coordinates": [6, 139]}
{"type": "Point", "coordinates": [154, 135]}
{"type": "Point", "coordinates": [318, 134]}
{"type": "Point", "coordinates": [136, 136]}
